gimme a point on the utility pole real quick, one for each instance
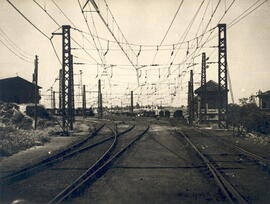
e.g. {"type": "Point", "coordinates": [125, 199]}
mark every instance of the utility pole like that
{"type": "Point", "coordinates": [67, 85]}
{"type": "Point", "coordinates": [203, 104]}
{"type": "Point", "coordinates": [222, 75]}
{"type": "Point", "coordinates": [83, 101]}
{"type": "Point", "coordinates": [191, 99]}
{"type": "Point", "coordinates": [36, 90]}
{"type": "Point", "coordinates": [131, 101]}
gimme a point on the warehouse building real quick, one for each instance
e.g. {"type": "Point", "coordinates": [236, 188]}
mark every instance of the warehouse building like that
{"type": "Point", "coordinates": [17, 90]}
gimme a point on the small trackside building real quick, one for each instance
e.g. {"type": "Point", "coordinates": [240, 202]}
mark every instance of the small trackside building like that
{"type": "Point", "coordinates": [17, 90]}
{"type": "Point", "coordinates": [212, 102]}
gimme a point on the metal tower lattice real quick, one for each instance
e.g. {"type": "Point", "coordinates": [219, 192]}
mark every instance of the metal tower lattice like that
{"type": "Point", "coordinates": [67, 81]}
{"type": "Point", "coordinates": [60, 92]}
{"type": "Point", "coordinates": [222, 75]}
{"type": "Point", "coordinates": [191, 99]}
{"type": "Point", "coordinates": [204, 91]}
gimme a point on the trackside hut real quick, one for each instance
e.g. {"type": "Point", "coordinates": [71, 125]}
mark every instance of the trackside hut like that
{"type": "Point", "coordinates": [17, 90]}
{"type": "Point", "coordinates": [212, 101]}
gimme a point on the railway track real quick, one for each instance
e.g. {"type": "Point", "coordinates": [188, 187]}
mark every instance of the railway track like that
{"type": "Point", "coordinates": [65, 154]}
{"type": "Point", "coordinates": [30, 170]}
{"type": "Point", "coordinates": [230, 166]}
{"type": "Point", "coordinates": [72, 167]}
{"type": "Point", "coordinates": [261, 160]}
{"type": "Point", "coordinates": [95, 171]}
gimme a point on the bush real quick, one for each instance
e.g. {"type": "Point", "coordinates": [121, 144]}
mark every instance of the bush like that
{"type": "Point", "coordinates": [41, 111]}
{"type": "Point", "coordinates": [248, 117]}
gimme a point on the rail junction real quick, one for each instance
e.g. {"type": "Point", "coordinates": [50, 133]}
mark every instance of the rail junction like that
{"type": "Point", "coordinates": [143, 160]}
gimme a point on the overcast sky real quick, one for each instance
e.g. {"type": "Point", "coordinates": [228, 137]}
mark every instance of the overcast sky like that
{"type": "Point", "coordinates": [143, 22]}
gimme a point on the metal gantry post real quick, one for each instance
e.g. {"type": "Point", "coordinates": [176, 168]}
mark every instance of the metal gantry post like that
{"type": "Point", "coordinates": [131, 101]}
{"type": "Point", "coordinates": [67, 81]}
{"type": "Point", "coordinates": [222, 75]}
{"type": "Point", "coordinates": [71, 105]}
{"type": "Point", "coordinates": [83, 101]}
{"type": "Point", "coordinates": [191, 99]}
{"type": "Point", "coordinates": [101, 106]}
{"type": "Point", "coordinates": [203, 85]}
{"type": "Point", "coordinates": [60, 92]}
{"type": "Point", "coordinates": [99, 100]}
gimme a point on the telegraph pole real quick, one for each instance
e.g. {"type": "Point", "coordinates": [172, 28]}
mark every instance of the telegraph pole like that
{"type": "Point", "coordinates": [83, 101]}
{"type": "Point", "coordinates": [203, 86]}
{"type": "Point", "coordinates": [222, 75]}
{"type": "Point", "coordinates": [36, 90]}
{"type": "Point", "coordinates": [131, 101]}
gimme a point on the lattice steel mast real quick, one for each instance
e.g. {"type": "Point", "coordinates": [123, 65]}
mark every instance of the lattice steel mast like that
{"type": "Point", "coordinates": [203, 86]}
{"type": "Point", "coordinates": [66, 84]}
{"type": "Point", "coordinates": [222, 75]}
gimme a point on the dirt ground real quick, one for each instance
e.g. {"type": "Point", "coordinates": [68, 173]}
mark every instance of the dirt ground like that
{"type": "Point", "coordinates": [157, 169]}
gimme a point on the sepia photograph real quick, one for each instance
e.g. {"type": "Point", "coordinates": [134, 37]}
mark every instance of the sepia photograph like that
{"type": "Point", "coordinates": [134, 101]}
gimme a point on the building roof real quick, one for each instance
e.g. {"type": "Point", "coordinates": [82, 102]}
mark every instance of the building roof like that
{"type": "Point", "coordinates": [17, 78]}
{"type": "Point", "coordinates": [211, 86]}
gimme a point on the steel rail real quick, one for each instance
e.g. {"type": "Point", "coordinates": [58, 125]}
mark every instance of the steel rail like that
{"type": "Point", "coordinates": [61, 158]}
{"type": "Point", "coordinates": [95, 166]}
{"type": "Point", "coordinates": [26, 170]}
{"type": "Point", "coordinates": [226, 187]}
{"type": "Point", "coordinates": [264, 162]}
{"type": "Point", "coordinates": [91, 175]}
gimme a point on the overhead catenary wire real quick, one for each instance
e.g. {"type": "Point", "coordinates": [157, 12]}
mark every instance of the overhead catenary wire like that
{"type": "Point", "coordinates": [90, 32]}
{"type": "Point", "coordinates": [247, 13]}
{"type": "Point", "coordinates": [58, 24]}
{"type": "Point", "coordinates": [202, 43]}
{"type": "Point", "coordinates": [204, 29]}
{"type": "Point", "coordinates": [22, 58]}
{"type": "Point", "coordinates": [168, 29]}
{"type": "Point", "coordinates": [40, 31]}
{"type": "Point", "coordinates": [21, 52]}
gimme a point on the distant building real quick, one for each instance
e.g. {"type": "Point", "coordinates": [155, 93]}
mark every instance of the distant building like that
{"type": "Point", "coordinates": [264, 100]}
{"type": "Point", "coordinates": [212, 102]}
{"type": "Point", "coordinates": [17, 90]}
